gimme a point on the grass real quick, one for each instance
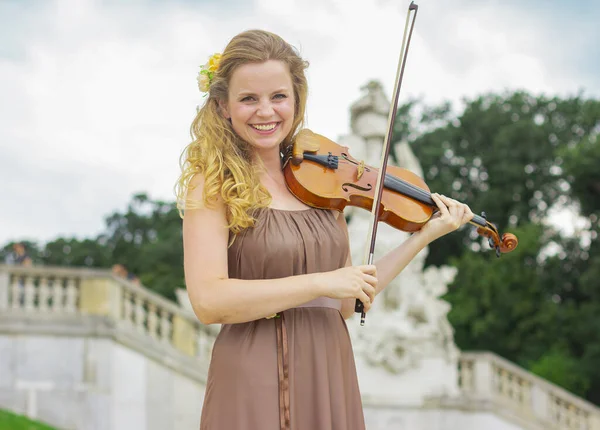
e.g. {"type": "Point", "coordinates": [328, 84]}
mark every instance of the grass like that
{"type": "Point", "coordinates": [11, 421]}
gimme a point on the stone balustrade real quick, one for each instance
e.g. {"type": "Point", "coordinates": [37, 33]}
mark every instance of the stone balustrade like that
{"type": "Point", "coordinates": [487, 377]}
{"type": "Point", "coordinates": [136, 313]}
{"type": "Point", "coordinates": [160, 329]}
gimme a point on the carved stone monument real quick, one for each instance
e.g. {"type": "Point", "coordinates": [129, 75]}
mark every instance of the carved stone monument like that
{"type": "Point", "coordinates": [405, 352]}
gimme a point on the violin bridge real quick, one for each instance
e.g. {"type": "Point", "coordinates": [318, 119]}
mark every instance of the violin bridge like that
{"type": "Point", "coordinates": [361, 169]}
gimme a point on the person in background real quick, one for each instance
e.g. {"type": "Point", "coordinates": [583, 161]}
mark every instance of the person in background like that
{"type": "Point", "coordinates": [19, 255]}
{"type": "Point", "coordinates": [121, 271]}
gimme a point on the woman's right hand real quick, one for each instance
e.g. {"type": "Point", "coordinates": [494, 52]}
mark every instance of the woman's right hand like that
{"type": "Point", "coordinates": [357, 282]}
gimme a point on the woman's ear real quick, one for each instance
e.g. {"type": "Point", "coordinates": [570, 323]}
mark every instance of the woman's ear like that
{"type": "Point", "coordinates": [224, 109]}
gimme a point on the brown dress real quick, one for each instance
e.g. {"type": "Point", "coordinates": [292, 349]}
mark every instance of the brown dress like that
{"type": "Point", "coordinates": [297, 371]}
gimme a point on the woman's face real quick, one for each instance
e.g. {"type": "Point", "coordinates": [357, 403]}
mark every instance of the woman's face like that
{"type": "Point", "coordinates": [261, 104]}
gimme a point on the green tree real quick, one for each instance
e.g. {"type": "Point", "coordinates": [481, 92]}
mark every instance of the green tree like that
{"type": "Point", "coordinates": [515, 156]}
{"type": "Point", "coordinates": [74, 252]}
{"type": "Point", "coordinates": [146, 239]}
{"type": "Point", "coordinates": [503, 155]}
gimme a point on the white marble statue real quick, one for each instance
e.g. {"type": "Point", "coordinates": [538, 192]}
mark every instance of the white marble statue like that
{"type": "Point", "coordinates": [406, 331]}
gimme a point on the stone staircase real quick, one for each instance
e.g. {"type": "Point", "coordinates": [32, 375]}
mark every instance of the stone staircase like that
{"type": "Point", "coordinates": [44, 303]}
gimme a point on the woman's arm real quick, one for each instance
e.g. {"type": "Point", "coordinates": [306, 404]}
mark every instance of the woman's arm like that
{"type": "Point", "coordinates": [217, 299]}
{"type": "Point", "coordinates": [391, 264]}
{"type": "Point", "coordinates": [451, 216]}
{"type": "Point", "coordinates": [388, 267]}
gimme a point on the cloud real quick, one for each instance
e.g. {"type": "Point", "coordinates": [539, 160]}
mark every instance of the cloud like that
{"type": "Point", "coordinates": [98, 96]}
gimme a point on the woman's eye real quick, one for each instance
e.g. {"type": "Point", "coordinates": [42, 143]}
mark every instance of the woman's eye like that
{"type": "Point", "coordinates": [280, 96]}
{"type": "Point", "coordinates": [247, 98]}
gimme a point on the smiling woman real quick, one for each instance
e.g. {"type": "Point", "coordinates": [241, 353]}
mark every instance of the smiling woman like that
{"type": "Point", "coordinates": [261, 116]}
{"type": "Point", "coordinates": [275, 273]}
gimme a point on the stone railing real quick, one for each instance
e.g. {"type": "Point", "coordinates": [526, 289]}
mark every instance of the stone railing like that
{"type": "Point", "coordinates": [33, 298]}
{"type": "Point", "coordinates": [137, 316]}
{"type": "Point", "coordinates": [489, 378]}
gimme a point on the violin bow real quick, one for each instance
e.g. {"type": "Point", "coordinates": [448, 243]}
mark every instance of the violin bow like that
{"type": "Point", "coordinates": [359, 307]}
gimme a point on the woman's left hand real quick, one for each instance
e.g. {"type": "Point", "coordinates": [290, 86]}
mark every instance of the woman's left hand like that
{"type": "Point", "coordinates": [452, 214]}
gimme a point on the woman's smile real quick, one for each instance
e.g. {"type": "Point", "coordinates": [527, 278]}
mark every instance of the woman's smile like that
{"type": "Point", "coordinates": [265, 128]}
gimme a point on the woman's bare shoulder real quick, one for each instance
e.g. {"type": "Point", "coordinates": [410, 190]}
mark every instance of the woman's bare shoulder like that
{"type": "Point", "coordinates": [195, 193]}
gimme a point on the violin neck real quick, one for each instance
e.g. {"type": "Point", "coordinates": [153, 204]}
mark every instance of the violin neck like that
{"type": "Point", "coordinates": [400, 186]}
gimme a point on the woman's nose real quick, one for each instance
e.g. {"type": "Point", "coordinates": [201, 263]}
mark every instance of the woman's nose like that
{"type": "Point", "coordinates": [265, 109]}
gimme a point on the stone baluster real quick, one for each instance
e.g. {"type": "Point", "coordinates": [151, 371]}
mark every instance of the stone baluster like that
{"type": "Point", "coordinates": [43, 294]}
{"type": "Point", "coordinates": [466, 375]}
{"type": "Point", "coordinates": [503, 388]}
{"type": "Point", "coordinates": [561, 411]}
{"type": "Point", "coordinates": [539, 402]}
{"type": "Point", "coordinates": [575, 417]}
{"type": "Point", "coordinates": [29, 294]}
{"type": "Point", "coordinates": [127, 307]}
{"type": "Point", "coordinates": [16, 292]}
{"type": "Point", "coordinates": [152, 320]}
{"type": "Point", "coordinates": [57, 295]}
{"type": "Point", "coordinates": [71, 295]}
{"type": "Point", "coordinates": [4, 289]}
{"type": "Point", "coordinates": [139, 313]}
{"type": "Point", "coordinates": [527, 398]}
{"type": "Point", "coordinates": [553, 412]}
{"type": "Point", "coordinates": [165, 326]}
{"type": "Point", "coordinates": [485, 378]}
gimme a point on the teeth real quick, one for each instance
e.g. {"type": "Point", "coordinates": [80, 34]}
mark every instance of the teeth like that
{"type": "Point", "coordinates": [264, 127]}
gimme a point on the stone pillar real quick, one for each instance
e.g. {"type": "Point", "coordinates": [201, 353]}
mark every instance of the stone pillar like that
{"type": "Point", "coordinates": [539, 401]}
{"type": "Point", "coordinates": [4, 286]}
{"type": "Point", "coordinates": [184, 335]}
{"type": "Point", "coordinates": [484, 377]}
{"type": "Point", "coordinates": [100, 296]}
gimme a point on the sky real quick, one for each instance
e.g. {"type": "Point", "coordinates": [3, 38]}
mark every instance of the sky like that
{"type": "Point", "coordinates": [97, 97]}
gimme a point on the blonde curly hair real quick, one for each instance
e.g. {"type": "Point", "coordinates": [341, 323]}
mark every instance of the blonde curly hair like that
{"type": "Point", "coordinates": [217, 152]}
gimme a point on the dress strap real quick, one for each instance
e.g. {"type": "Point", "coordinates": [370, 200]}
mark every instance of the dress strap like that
{"type": "Point", "coordinates": [283, 371]}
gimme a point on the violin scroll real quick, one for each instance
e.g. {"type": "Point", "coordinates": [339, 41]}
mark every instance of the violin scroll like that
{"type": "Point", "coordinates": [507, 243]}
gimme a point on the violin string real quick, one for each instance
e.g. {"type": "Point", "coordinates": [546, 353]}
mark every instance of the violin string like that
{"type": "Point", "coordinates": [423, 194]}
{"type": "Point", "coordinates": [402, 183]}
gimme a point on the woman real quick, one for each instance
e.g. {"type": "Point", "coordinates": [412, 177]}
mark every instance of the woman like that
{"type": "Point", "coordinates": [274, 272]}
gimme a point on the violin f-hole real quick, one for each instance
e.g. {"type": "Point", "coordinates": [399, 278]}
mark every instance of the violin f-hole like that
{"type": "Point", "coordinates": [358, 187]}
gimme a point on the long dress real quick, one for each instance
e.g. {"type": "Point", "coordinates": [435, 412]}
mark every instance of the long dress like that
{"type": "Point", "coordinates": [296, 371]}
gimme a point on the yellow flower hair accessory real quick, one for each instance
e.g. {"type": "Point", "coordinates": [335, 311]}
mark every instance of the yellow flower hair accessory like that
{"type": "Point", "coordinates": [207, 72]}
{"type": "Point", "coordinates": [277, 315]}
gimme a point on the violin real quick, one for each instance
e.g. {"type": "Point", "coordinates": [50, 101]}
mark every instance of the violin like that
{"type": "Point", "coordinates": [323, 174]}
